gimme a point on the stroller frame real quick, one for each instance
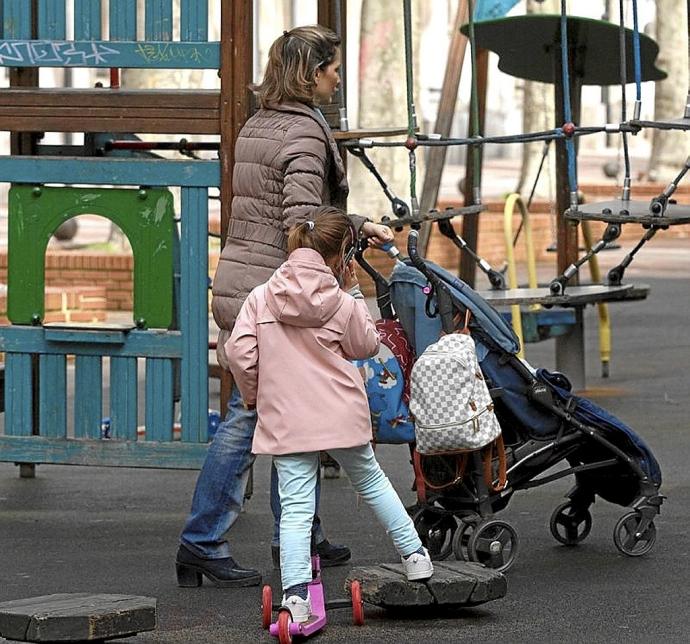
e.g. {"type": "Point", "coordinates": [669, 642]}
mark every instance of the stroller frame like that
{"type": "Point", "coordinates": [459, 517]}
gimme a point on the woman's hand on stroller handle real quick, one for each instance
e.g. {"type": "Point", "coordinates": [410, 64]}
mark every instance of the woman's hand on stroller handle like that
{"type": "Point", "coordinates": [377, 234]}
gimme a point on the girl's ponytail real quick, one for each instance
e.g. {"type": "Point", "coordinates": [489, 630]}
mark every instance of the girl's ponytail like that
{"type": "Point", "coordinates": [301, 236]}
{"type": "Point", "coordinates": [328, 231]}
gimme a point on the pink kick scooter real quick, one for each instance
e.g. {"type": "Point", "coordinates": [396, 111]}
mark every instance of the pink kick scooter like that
{"type": "Point", "coordinates": [285, 629]}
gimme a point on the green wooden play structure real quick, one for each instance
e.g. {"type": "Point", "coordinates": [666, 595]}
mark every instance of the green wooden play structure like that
{"type": "Point", "coordinates": [163, 351]}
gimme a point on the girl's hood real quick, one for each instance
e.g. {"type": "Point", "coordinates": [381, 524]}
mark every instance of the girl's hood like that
{"type": "Point", "coordinates": [303, 291]}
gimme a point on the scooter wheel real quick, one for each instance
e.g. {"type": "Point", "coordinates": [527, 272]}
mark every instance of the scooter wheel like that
{"type": "Point", "coordinates": [357, 603]}
{"type": "Point", "coordinates": [284, 621]}
{"type": "Point", "coordinates": [266, 607]}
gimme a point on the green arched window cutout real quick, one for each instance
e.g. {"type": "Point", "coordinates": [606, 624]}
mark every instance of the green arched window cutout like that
{"type": "Point", "coordinates": [146, 217]}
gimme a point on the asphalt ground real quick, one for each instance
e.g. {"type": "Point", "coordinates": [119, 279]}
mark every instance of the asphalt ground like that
{"type": "Point", "coordinates": [79, 529]}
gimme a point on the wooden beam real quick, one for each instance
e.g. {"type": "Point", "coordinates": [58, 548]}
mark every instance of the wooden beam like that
{"type": "Point", "coordinates": [236, 73]}
{"type": "Point", "coordinates": [566, 230]}
{"type": "Point", "coordinates": [333, 14]}
{"type": "Point", "coordinates": [470, 222]}
{"type": "Point", "coordinates": [177, 455]}
{"type": "Point", "coordinates": [105, 110]}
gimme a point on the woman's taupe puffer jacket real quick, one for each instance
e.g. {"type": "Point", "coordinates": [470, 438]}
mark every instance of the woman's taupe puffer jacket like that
{"type": "Point", "coordinates": [286, 164]}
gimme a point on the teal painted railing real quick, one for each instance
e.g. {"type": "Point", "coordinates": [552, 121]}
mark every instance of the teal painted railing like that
{"type": "Point", "coordinates": [122, 348]}
{"type": "Point", "coordinates": [88, 48]}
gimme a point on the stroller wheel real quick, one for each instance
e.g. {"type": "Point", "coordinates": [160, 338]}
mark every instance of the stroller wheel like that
{"type": "Point", "coordinates": [435, 527]}
{"type": "Point", "coordinates": [494, 544]}
{"type": "Point", "coordinates": [462, 536]}
{"type": "Point", "coordinates": [634, 535]}
{"type": "Point", "coordinates": [570, 524]}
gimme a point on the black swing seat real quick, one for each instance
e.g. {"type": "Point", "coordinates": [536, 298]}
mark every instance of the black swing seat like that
{"type": "Point", "coordinates": [619, 211]}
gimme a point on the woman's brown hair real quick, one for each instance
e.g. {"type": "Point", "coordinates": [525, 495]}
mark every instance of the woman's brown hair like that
{"type": "Point", "coordinates": [292, 61]}
{"type": "Point", "coordinates": [328, 231]}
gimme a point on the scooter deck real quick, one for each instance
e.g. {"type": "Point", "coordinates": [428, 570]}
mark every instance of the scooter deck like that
{"type": "Point", "coordinates": [454, 584]}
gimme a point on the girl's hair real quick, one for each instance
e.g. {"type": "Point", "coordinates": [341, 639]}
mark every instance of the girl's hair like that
{"type": "Point", "coordinates": [292, 61]}
{"type": "Point", "coordinates": [328, 231]}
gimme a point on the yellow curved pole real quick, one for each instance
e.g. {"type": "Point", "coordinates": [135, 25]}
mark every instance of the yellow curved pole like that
{"type": "Point", "coordinates": [513, 200]}
{"type": "Point", "coordinates": [602, 308]}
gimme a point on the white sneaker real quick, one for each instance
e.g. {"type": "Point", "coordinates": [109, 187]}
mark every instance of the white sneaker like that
{"type": "Point", "coordinates": [418, 566]}
{"type": "Point", "coordinates": [299, 608]}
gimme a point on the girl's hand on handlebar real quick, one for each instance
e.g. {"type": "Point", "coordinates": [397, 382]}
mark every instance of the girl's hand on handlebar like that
{"type": "Point", "coordinates": [377, 234]}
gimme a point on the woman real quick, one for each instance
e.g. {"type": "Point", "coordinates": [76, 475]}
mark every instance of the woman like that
{"type": "Point", "coordinates": [286, 165]}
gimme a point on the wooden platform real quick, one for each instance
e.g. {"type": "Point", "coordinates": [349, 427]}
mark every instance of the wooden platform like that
{"type": "Point", "coordinates": [76, 617]}
{"type": "Point", "coordinates": [619, 211]}
{"type": "Point", "coordinates": [454, 584]}
{"type": "Point", "coordinates": [570, 347]}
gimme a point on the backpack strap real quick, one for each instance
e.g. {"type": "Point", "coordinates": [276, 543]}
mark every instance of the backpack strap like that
{"type": "Point", "coordinates": [465, 330]}
{"type": "Point", "coordinates": [421, 483]}
{"type": "Point", "coordinates": [498, 447]}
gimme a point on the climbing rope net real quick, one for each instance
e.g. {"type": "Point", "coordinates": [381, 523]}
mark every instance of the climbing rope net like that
{"type": "Point", "coordinates": [656, 215]}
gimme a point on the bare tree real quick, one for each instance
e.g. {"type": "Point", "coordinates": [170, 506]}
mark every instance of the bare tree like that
{"type": "Point", "coordinates": [382, 103]}
{"type": "Point", "coordinates": [670, 147]}
{"type": "Point", "coordinates": [538, 114]}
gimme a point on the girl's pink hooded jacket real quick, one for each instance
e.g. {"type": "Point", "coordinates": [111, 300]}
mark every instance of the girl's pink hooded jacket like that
{"type": "Point", "coordinates": [290, 353]}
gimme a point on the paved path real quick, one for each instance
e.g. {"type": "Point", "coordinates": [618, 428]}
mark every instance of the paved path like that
{"type": "Point", "coordinates": [78, 529]}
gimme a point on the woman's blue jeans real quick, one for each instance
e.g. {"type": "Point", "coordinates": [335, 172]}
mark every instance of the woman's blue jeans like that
{"type": "Point", "coordinates": [219, 491]}
{"type": "Point", "coordinates": [297, 476]}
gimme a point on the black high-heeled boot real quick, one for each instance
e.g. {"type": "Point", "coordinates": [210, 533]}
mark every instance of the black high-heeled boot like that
{"type": "Point", "coordinates": [224, 573]}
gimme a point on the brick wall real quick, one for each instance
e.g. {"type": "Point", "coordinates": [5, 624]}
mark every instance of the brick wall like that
{"type": "Point", "coordinates": [67, 304]}
{"type": "Point", "coordinates": [113, 272]}
{"type": "Point", "coordinates": [110, 273]}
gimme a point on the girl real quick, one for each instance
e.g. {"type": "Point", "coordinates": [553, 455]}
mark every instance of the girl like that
{"type": "Point", "coordinates": [290, 353]}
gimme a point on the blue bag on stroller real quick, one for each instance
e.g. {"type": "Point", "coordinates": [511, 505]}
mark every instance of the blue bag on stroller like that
{"type": "Point", "coordinates": [387, 383]}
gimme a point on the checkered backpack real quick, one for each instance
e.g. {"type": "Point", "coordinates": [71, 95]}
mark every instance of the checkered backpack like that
{"type": "Point", "coordinates": [450, 401]}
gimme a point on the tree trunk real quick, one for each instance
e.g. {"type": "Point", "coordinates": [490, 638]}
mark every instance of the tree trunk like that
{"type": "Point", "coordinates": [669, 147]}
{"type": "Point", "coordinates": [382, 103]}
{"type": "Point", "coordinates": [538, 114]}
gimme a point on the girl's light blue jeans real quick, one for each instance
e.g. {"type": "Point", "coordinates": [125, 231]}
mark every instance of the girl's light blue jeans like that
{"type": "Point", "coordinates": [219, 491]}
{"type": "Point", "coordinates": [297, 474]}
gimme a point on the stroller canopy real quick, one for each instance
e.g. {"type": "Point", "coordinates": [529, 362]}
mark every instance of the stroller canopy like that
{"type": "Point", "coordinates": [409, 301]}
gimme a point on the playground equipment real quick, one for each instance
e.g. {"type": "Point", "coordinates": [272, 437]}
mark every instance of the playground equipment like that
{"type": "Point", "coordinates": [168, 333]}
{"type": "Point", "coordinates": [537, 323]}
{"type": "Point", "coordinates": [569, 52]}
{"type": "Point", "coordinates": [453, 585]}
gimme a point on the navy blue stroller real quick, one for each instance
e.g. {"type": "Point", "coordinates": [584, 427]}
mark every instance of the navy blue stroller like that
{"type": "Point", "coordinates": [542, 422]}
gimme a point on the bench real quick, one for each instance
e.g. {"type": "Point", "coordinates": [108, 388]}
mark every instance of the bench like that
{"type": "Point", "coordinates": [570, 347]}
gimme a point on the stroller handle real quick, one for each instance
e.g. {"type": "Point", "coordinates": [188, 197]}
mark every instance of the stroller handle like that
{"type": "Point", "coordinates": [444, 300]}
{"type": "Point", "coordinates": [383, 296]}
